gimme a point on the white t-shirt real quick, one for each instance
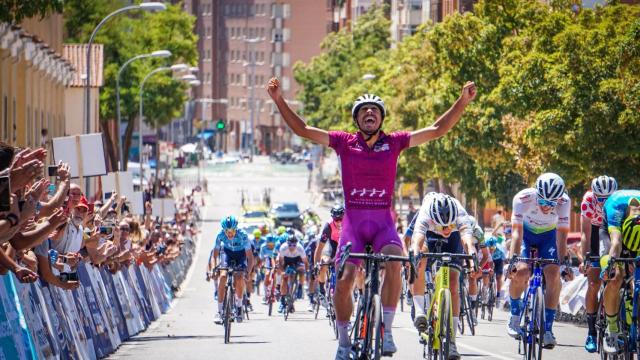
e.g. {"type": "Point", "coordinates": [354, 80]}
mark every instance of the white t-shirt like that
{"type": "Point", "coordinates": [287, 252]}
{"type": "Point", "coordinates": [464, 223]}
{"type": "Point", "coordinates": [526, 211]}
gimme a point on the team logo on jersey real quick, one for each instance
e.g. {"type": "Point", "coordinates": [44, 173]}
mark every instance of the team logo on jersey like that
{"type": "Point", "coordinates": [382, 147]}
{"type": "Point", "coordinates": [364, 191]}
{"type": "Point", "coordinates": [552, 251]}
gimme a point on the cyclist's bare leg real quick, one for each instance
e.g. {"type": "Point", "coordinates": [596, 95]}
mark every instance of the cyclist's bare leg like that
{"type": "Point", "coordinates": [612, 293]}
{"type": "Point", "coordinates": [284, 286]}
{"type": "Point", "coordinates": [392, 286]}
{"type": "Point", "coordinates": [418, 287]}
{"type": "Point", "coordinates": [553, 286]}
{"type": "Point", "coordinates": [239, 285]}
{"type": "Point", "coordinates": [593, 276]}
{"type": "Point", "coordinates": [359, 283]}
{"type": "Point", "coordinates": [222, 283]}
{"type": "Point", "coordinates": [342, 302]}
{"type": "Point", "coordinates": [519, 281]}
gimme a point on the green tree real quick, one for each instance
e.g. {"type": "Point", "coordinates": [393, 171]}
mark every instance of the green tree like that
{"type": "Point", "coordinates": [125, 37]}
{"type": "Point", "coordinates": [14, 11]}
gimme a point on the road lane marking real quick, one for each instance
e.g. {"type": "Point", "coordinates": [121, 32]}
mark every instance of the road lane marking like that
{"type": "Point", "coordinates": [473, 348]}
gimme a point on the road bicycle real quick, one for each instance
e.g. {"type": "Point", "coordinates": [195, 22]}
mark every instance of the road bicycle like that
{"type": "Point", "coordinates": [228, 304]}
{"type": "Point", "coordinates": [628, 321]}
{"type": "Point", "coordinates": [368, 331]}
{"type": "Point", "coordinates": [532, 321]}
{"type": "Point", "coordinates": [466, 312]}
{"type": "Point", "coordinates": [327, 298]}
{"type": "Point", "coordinates": [272, 296]}
{"type": "Point", "coordinates": [290, 298]}
{"type": "Point", "coordinates": [439, 333]}
{"type": "Point", "coordinates": [487, 296]}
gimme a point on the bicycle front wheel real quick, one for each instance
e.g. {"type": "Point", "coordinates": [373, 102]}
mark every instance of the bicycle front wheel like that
{"type": "Point", "coordinates": [228, 314]}
{"type": "Point", "coordinates": [444, 317]}
{"type": "Point", "coordinates": [463, 309]}
{"type": "Point", "coordinates": [535, 335]}
{"type": "Point", "coordinates": [378, 328]}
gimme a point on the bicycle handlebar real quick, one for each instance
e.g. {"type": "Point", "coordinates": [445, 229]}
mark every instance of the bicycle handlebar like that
{"type": "Point", "coordinates": [451, 256]}
{"type": "Point", "coordinates": [377, 257]}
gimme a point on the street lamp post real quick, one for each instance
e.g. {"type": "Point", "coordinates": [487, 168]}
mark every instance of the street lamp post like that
{"type": "Point", "coordinates": [155, 54]}
{"type": "Point", "coordinates": [177, 67]}
{"type": "Point", "coordinates": [149, 6]}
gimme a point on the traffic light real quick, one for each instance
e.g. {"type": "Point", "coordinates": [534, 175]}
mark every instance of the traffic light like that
{"type": "Point", "coordinates": [220, 125]}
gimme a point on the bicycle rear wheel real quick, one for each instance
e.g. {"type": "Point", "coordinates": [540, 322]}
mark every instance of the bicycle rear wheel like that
{"type": "Point", "coordinates": [463, 308]}
{"type": "Point", "coordinates": [270, 300]}
{"type": "Point", "coordinates": [534, 340]}
{"type": "Point", "coordinates": [601, 325]}
{"type": "Point", "coordinates": [470, 316]}
{"type": "Point", "coordinates": [444, 317]}
{"type": "Point", "coordinates": [287, 302]}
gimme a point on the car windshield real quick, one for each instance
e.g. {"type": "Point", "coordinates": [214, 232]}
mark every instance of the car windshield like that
{"type": "Point", "coordinates": [250, 228]}
{"type": "Point", "coordinates": [287, 208]}
{"type": "Point", "coordinates": [255, 214]}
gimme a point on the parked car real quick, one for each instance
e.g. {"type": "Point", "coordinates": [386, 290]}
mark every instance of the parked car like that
{"type": "Point", "coordinates": [286, 214]}
{"type": "Point", "coordinates": [257, 215]}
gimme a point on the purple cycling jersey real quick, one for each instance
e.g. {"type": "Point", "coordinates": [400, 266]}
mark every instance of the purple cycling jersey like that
{"type": "Point", "coordinates": [368, 174]}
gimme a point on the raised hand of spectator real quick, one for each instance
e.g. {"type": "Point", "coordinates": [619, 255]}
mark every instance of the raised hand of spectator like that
{"type": "Point", "coordinates": [64, 171]}
{"type": "Point", "coordinates": [57, 218]}
{"type": "Point", "coordinates": [37, 189]}
{"type": "Point", "coordinates": [26, 173]}
{"type": "Point", "coordinates": [25, 275]}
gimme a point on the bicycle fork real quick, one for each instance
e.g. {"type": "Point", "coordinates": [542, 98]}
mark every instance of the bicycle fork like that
{"type": "Point", "coordinates": [525, 323]}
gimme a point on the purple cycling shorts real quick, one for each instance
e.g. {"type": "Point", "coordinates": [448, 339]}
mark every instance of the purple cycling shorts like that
{"type": "Point", "coordinates": [362, 227]}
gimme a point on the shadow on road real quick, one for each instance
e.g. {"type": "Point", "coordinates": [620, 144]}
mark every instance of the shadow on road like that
{"type": "Point", "coordinates": [184, 337]}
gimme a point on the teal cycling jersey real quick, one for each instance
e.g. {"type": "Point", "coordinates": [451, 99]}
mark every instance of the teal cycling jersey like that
{"type": "Point", "coordinates": [239, 242]}
{"type": "Point", "coordinates": [616, 206]}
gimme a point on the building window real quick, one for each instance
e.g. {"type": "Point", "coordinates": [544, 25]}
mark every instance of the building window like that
{"type": "Point", "coordinates": [262, 33]}
{"type": "Point", "coordinates": [208, 32]}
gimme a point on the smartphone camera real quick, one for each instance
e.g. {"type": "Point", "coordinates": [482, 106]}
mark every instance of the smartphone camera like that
{"type": "Point", "coordinates": [106, 230]}
{"type": "Point", "coordinates": [53, 170]}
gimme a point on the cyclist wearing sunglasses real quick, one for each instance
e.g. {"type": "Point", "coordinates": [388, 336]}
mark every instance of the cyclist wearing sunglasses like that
{"type": "Point", "coordinates": [591, 218]}
{"type": "Point", "coordinates": [619, 237]}
{"type": "Point", "coordinates": [443, 218]}
{"type": "Point", "coordinates": [540, 219]}
{"type": "Point", "coordinates": [291, 255]}
{"type": "Point", "coordinates": [233, 247]}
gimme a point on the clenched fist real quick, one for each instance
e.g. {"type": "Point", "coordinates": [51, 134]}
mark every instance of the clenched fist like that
{"type": "Point", "coordinates": [468, 92]}
{"type": "Point", "coordinates": [273, 88]}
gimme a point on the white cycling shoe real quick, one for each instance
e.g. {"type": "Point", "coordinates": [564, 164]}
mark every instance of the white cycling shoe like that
{"type": "Point", "coordinates": [513, 328]}
{"type": "Point", "coordinates": [388, 346]}
{"type": "Point", "coordinates": [344, 353]}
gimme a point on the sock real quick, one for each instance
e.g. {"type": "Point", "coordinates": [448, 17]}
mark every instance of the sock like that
{"type": "Point", "coordinates": [612, 323]}
{"type": "Point", "coordinates": [239, 302]}
{"type": "Point", "coordinates": [498, 294]}
{"type": "Point", "coordinates": [516, 304]}
{"type": "Point", "coordinates": [321, 288]}
{"type": "Point", "coordinates": [418, 303]}
{"type": "Point", "coordinates": [343, 333]}
{"type": "Point", "coordinates": [549, 316]}
{"type": "Point", "coordinates": [388, 313]}
{"type": "Point", "coordinates": [220, 307]}
{"type": "Point", "coordinates": [591, 321]}
{"type": "Point", "coordinates": [474, 299]}
{"type": "Point", "coordinates": [456, 320]}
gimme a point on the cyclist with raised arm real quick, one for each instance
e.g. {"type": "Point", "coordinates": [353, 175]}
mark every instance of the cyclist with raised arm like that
{"type": "Point", "coordinates": [442, 219]}
{"type": "Point", "coordinates": [368, 161]}
{"type": "Point", "coordinates": [329, 237]}
{"type": "Point", "coordinates": [591, 218]}
{"type": "Point", "coordinates": [233, 248]}
{"type": "Point", "coordinates": [540, 219]}
{"type": "Point", "coordinates": [291, 255]}
{"type": "Point", "coordinates": [620, 237]}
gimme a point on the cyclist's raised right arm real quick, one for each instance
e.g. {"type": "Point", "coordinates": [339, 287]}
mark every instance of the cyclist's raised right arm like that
{"type": "Point", "coordinates": [293, 120]}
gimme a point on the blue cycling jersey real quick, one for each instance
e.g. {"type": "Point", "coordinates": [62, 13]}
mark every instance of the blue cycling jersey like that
{"type": "Point", "coordinates": [616, 206]}
{"type": "Point", "coordinates": [239, 242]}
{"type": "Point", "coordinates": [265, 252]}
{"type": "Point", "coordinates": [411, 226]}
{"type": "Point", "coordinates": [498, 253]}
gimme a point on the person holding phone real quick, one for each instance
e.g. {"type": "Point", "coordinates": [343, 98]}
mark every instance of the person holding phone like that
{"type": "Point", "coordinates": [45, 268]}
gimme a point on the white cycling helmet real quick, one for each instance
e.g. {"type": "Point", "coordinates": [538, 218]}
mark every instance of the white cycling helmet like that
{"type": "Point", "coordinates": [443, 210]}
{"type": "Point", "coordinates": [604, 185]}
{"type": "Point", "coordinates": [550, 186]}
{"type": "Point", "coordinates": [368, 99]}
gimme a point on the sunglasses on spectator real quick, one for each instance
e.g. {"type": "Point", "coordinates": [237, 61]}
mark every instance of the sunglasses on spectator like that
{"type": "Point", "coordinates": [124, 228]}
{"type": "Point", "coordinates": [548, 203]}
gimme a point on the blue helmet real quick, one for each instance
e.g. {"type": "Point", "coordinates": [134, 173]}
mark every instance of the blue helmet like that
{"type": "Point", "coordinates": [269, 239]}
{"type": "Point", "coordinates": [230, 222]}
{"type": "Point", "coordinates": [491, 242]}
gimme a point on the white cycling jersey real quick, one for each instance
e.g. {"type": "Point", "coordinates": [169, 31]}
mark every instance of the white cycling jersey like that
{"type": "Point", "coordinates": [287, 252]}
{"type": "Point", "coordinates": [526, 211]}
{"type": "Point", "coordinates": [464, 223]}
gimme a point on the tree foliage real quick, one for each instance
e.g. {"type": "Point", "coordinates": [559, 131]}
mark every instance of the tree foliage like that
{"type": "Point", "coordinates": [558, 91]}
{"type": "Point", "coordinates": [129, 35]}
{"type": "Point", "coordinates": [14, 11]}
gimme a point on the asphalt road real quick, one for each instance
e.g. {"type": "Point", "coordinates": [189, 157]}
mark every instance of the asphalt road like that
{"type": "Point", "coordinates": [187, 331]}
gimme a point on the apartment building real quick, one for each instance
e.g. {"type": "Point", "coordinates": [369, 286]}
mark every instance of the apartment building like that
{"type": "Point", "coordinates": [243, 43]}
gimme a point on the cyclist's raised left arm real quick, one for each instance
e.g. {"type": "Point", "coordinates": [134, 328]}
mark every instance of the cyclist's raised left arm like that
{"type": "Point", "coordinates": [447, 120]}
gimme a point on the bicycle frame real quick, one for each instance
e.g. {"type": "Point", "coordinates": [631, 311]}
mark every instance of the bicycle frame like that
{"type": "Point", "coordinates": [442, 285]}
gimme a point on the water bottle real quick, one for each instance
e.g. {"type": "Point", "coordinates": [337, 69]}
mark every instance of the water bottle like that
{"type": "Point", "coordinates": [628, 309]}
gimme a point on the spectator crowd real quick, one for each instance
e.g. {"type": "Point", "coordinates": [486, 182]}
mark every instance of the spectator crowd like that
{"type": "Point", "coordinates": [48, 226]}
